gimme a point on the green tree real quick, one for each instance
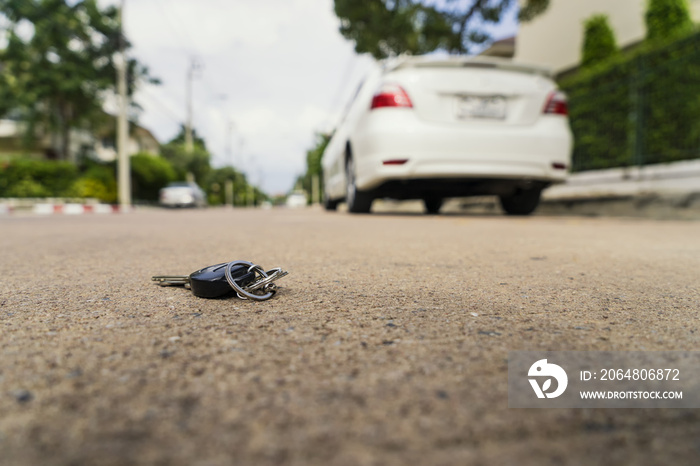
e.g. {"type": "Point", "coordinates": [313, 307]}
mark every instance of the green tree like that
{"type": "Point", "coordinates": [313, 163]}
{"type": "Point", "coordinates": [148, 174]}
{"type": "Point", "coordinates": [196, 162]}
{"type": "Point", "coordinates": [384, 28]}
{"type": "Point", "coordinates": [598, 41]}
{"type": "Point", "coordinates": [58, 62]}
{"type": "Point", "coordinates": [213, 181]}
{"type": "Point", "coordinates": [667, 18]}
{"type": "Point", "coordinates": [183, 161]}
{"type": "Point", "coordinates": [197, 140]}
{"type": "Point", "coordinates": [215, 185]}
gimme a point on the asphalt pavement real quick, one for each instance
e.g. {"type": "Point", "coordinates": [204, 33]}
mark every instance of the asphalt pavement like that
{"type": "Point", "coordinates": [387, 344]}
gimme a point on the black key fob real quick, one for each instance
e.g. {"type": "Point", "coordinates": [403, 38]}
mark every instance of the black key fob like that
{"type": "Point", "coordinates": [210, 282]}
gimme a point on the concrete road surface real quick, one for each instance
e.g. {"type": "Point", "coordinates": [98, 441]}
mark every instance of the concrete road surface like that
{"type": "Point", "coordinates": [386, 345]}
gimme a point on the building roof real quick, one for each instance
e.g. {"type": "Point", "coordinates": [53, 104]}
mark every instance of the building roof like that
{"type": "Point", "coordinates": [504, 48]}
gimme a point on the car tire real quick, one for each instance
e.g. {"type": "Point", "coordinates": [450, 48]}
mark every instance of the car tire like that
{"type": "Point", "coordinates": [329, 204]}
{"type": "Point", "coordinates": [523, 202]}
{"type": "Point", "coordinates": [432, 205]}
{"type": "Point", "coordinates": [359, 202]}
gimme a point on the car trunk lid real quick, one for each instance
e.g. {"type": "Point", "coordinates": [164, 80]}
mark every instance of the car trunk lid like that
{"type": "Point", "coordinates": [473, 90]}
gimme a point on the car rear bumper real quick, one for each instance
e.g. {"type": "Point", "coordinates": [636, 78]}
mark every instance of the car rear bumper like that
{"type": "Point", "coordinates": [171, 203]}
{"type": "Point", "coordinates": [180, 200]}
{"type": "Point", "coordinates": [538, 153]}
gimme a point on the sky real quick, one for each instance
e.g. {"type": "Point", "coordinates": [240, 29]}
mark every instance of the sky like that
{"type": "Point", "coordinates": [270, 75]}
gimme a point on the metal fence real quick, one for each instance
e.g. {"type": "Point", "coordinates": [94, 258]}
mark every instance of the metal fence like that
{"type": "Point", "coordinates": [639, 110]}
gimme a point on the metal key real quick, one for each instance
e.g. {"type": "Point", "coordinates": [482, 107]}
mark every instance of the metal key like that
{"type": "Point", "coordinates": [219, 280]}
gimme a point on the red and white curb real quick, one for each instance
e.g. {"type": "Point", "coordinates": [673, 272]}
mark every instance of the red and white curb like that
{"type": "Point", "coordinates": [63, 209]}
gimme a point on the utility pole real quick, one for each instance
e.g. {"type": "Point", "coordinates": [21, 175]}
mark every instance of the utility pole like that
{"type": "Point", "coordinates": [229, 158]}
{"type": "Point", "coordinates": [251, 188]}
{"type": "Point", "coordinates": [315, 189]}
{"type": "Point", "coordinates": [228, 150]}
{"type": "Point", "coordinates": [124, 171]}
{"type": "Point", "coordinates": [228, 188]}
{"type": "Point", "coordinates": [194, 67]}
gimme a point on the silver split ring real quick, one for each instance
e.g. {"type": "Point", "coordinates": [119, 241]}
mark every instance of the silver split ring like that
{"type": "Point", "coordinates": [243, 293]}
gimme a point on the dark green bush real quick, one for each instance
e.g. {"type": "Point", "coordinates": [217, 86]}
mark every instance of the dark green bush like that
{"type": "Point", "coordinates": [98, 181]}
{"type": "Point", "coordinates": [598, 40]}
{"type": "Point", "coordinates": [667, 19]}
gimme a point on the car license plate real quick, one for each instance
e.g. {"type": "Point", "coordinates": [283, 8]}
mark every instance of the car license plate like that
{"type": "Point", "coordinates": [493, 107]}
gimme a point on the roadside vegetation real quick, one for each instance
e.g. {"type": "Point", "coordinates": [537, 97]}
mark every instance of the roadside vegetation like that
{"type": "Point", "coordinates": [27, 177]}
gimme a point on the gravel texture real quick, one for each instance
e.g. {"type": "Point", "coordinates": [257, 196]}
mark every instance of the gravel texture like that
{"type": "Point", "coordinates": [386, 345]}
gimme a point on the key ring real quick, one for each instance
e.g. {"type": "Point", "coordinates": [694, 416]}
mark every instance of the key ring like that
{"type": "Point", "coordinates": [266, 282]}
{"type": "Point", "coordinates": [243, 293]}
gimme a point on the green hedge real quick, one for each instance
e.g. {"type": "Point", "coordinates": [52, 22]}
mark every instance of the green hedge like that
{"type": "Point", "coordinates": [21, 177]}
{"type": "Point", "coordinates": [636, 109]}
{"type": "Point", "coordinates": [97, 181]}
{"type": "Point", "coordinates": [36, 178]}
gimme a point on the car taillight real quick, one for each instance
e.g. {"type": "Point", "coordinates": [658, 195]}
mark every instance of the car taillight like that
{"type": "Point", "coordinates": [556, 104]}
{"type": "Point", "coordinates": [390, 95]}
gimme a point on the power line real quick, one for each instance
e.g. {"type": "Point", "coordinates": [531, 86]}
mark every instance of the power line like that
{"type": "Point", "coordinates": [181, 34]}
{"type": "Point", "coordinates": [163, 107]}
{"type": "Point", "coordinates": [178, 31]}
{"type": "Point", "coordinates": [192, 43]}
{"type": "Point", "coordinates": [349, 68]}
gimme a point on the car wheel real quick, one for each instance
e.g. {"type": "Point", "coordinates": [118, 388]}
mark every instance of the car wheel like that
{"type": "Point", "coordinates": [329, 204]}
{"type": "Point", "coordinates": [432, 204]}
{"type": "Point", "coordinates": [359, 202]}
{"type": "Point", "coordinates": [523, 202]}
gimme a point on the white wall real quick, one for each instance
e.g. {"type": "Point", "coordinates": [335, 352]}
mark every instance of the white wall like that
{"type": "Point", "coordinates": [555, 38]}
{"type": "Point", "coordinates": [10, 129]}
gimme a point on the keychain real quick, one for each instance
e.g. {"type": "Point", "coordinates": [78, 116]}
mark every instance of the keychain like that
{"type": "Point", "coordinates": [248, 280]}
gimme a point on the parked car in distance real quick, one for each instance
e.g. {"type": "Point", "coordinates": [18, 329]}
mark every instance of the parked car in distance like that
{"type": "Point", "coordinates": [296, 199]}
{"type": "Point", "coordinates": [432, 128]}
{"type": "Point", "coordinates": [182, 194]}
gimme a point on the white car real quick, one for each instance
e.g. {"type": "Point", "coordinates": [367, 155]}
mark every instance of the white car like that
{"type": "Point", "coordinates": [296, 199]}
{"type": "Point", "coordinates": [432, 128]}
{"type": "Point", "coordinates": [182, 194]}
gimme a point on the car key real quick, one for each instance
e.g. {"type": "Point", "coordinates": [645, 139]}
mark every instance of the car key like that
{"type": "Point", "coordinates": [209, 282]}
{"type": "Point", "coordinates": [220, 280]}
